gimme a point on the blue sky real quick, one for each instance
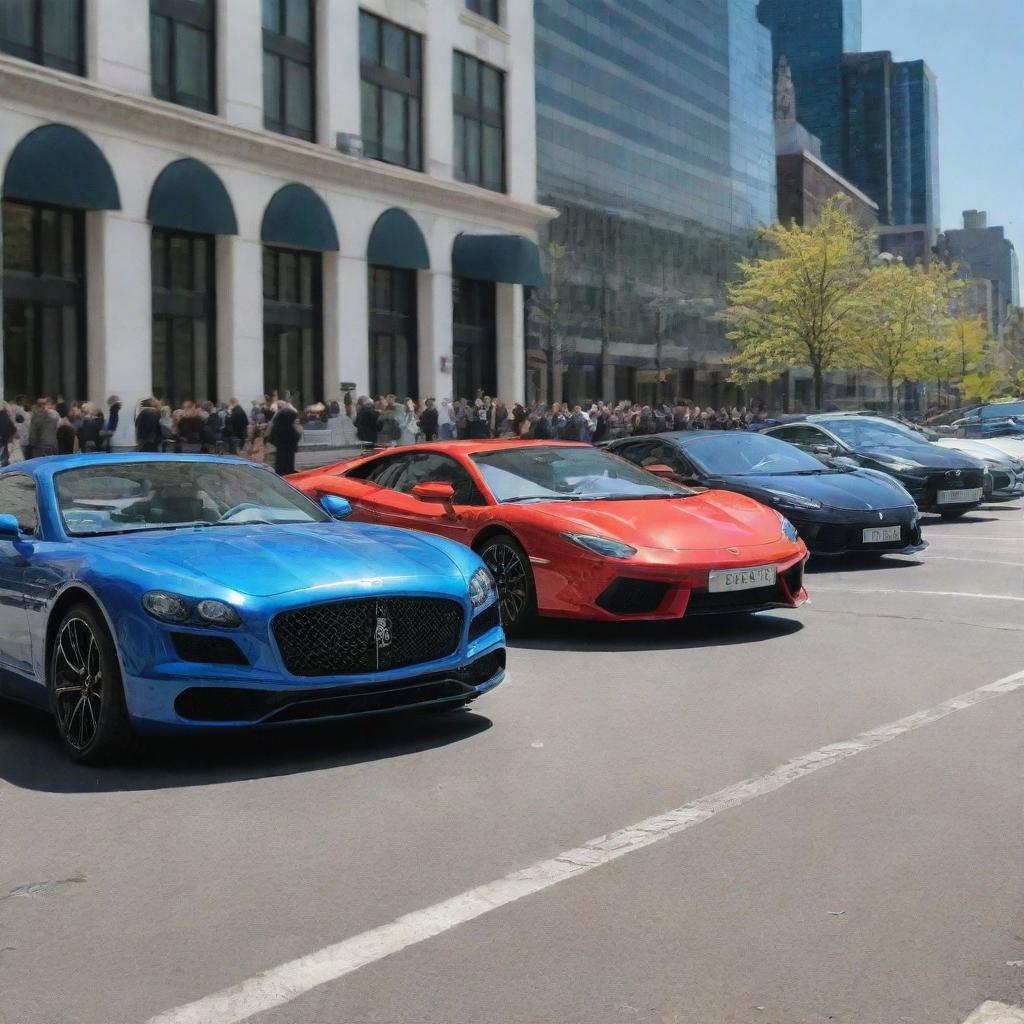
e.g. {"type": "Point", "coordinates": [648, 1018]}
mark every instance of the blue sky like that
{"type": "Point", "coordinates": [976, 49]}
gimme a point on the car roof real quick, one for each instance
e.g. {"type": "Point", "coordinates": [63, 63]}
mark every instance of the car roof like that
{"type": "Point", "coordinates": [50, 464]}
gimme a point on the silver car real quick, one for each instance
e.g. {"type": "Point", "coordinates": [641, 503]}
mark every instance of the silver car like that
{"type": "Point", "coordinates": [1004, 473]}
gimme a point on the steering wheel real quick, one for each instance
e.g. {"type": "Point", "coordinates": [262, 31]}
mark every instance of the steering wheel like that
{"type": "Point", "coordinates": [240, 507]}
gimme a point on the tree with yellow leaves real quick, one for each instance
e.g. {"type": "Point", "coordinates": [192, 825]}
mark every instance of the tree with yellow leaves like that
{"type": "Point", "coordinates": [800, 305]}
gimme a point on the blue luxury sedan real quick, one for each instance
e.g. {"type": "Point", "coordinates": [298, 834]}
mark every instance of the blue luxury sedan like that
{"type": "Point", "coordinates": [161, 592]}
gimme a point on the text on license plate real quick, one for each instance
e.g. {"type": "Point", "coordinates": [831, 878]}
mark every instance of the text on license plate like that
{"type": "Point", "coordinates": [881, 534]}
{"type": "Point", "coordinates": [962, 495]}
{"type": "Point", "coordinates": [741, 579]}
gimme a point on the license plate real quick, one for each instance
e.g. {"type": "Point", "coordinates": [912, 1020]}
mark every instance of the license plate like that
{"type": "Point", "coordinates": [960, 497]}
{"type": "Point", "coordinates": [881, 534]}
{"type": "Point", "coordinates": [720, 580]}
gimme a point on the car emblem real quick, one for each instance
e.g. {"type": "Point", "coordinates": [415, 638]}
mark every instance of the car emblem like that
{"type": "Point", "coordinates": [382, 633]}
{"type": "Point", "coordinates": [950, 474]}
{"type": "Point", "coordinates": [881, 515]}
{"type": "Point", "coordinates": [733, 551]}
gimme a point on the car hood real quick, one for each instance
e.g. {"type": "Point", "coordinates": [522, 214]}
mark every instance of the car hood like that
{"type": "Point", "coordinates": [932, 456]}
{"type": "Point", "coordinates": [701, 522]}
{"type": "Point", "coordinates": [261, 561]}
{"type": "Point", "coordinates": [984, 452]}
{"type": "Point", "coordinates": [855, 491]}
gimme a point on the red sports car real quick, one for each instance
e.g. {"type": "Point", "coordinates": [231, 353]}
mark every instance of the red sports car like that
{"type": "Point", "coordinates": [569, 530]}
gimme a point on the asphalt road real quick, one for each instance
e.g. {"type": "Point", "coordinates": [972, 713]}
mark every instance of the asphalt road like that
{"type": "Point", "coordinates": [876, 881]}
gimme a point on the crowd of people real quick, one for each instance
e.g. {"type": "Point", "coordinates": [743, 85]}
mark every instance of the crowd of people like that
{"type": "Point", "coordinates": [52, 426]}
{"type": "Point", "coordinates": [386, 420]}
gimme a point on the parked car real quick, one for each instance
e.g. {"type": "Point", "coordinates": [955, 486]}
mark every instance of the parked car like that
{"type": "Point", "coordinates": [571, 531]}
{"type": "Point", "coordinates": [1010, 445]}
{"type": "Point", "coordinates": [1004, 476]}
{"type": "Point", "coordinates": [995, 420]}
{"type": "Point", "coordinates": [939, 480]}
{"type": "Point", "coordinates": [835, 509]}
{"type": "Point", "coordinates": [164, 593]}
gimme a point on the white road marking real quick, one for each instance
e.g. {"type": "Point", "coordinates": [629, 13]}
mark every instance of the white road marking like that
{"type": "Point", "coordinates": [996, 1013]}
{"type": "Point", "coordinates": [975, 561]}
{"type": "Point", "coordinates": [930, 535]}
{"type": "Point", "coordinates": [279, 985]}
{"type": "Point", "coordinates": [815, 589]}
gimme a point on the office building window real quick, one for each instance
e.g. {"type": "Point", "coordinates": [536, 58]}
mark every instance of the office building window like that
{"type": "Point", "coordinates": [292, 316]}
{"type": "Point", "coordinates": [391, 90]}
{"type": "Point", "coordinates": [45, 32]}
{"type": "Point", "coordinates": [181, 41]}
{"type": "Point", "coordinates": [184, 315]}
{"type": "Point", "coordinates": [289, 58]}
{"type": "Point", "coordinates": [479, 103]}
{"type": "Point", "coordinates": [485, 8]}
{"type": "Point", "coordinates": [43, 286]}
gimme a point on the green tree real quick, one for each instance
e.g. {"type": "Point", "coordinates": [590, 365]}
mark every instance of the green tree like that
{"type": "Point", "coordinates": [800, 305]}
{"type": "Point", "coordinates": [903, 311]}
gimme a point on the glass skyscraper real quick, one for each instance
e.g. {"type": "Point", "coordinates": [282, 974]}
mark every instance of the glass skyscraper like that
{"type": "Point", "coordinates": [655, 142]}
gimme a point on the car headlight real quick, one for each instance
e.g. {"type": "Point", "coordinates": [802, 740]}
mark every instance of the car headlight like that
{"type": "Point", "coordinates": [791, 500]}
{"type": "Point", "coordinates": [482, 590]}
{"type": "Point", "coordinates": [217, 613]}
{"type": "Point", "coordinates": [900, 464]}
{"type": "Point", "coordinates": [169, 607]}
{"type": "Point", "coordinates": [601, 545]}
{"type": "Point", "coordinates": [789, 531]}
{"type": "Point", "coordinates": [177, 609]}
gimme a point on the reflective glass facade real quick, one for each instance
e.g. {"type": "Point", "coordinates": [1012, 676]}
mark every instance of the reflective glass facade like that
{"type": "Point", "coordinates": [654, 124]}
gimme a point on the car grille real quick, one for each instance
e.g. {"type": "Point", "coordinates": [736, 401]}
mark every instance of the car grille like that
{"type": "Point", "coordinates": [363, 635]}
{"type": "Point", "coordinates": [967, 480]}
{"type": "Point", "coordinates": [832, 538]}
{"type": "Point", "coordinates": [624, 596]}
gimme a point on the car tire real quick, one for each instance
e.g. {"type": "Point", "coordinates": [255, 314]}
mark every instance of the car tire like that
{"type": "Point", "coordinates": [955, 515]}
{"type": "Point", "coordinates": [86, 689]}
{"type": "Point", "coordinates": [510, 567]}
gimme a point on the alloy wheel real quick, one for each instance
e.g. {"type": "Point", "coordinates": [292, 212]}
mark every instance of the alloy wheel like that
{"type": "Point", "coordinates": [510, 575]}
{"type": "Point", "coordinates": [78, 683]}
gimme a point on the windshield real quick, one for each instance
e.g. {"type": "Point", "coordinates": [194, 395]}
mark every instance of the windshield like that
{"type": "Point", "coordinates": [131, 496]}
{"type": "Point", "coordinates": [741, 454]}
{"type": "Point", "coordinates": [1002, 411]}
{"type": "Point", "coordinates": [866, 432]}
{"type": "Point", "coordinates": [535, 473]}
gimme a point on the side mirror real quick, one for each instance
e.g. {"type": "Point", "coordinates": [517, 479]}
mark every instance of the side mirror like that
{"type": "Point", "coordinates": [825, 449]}
{"type": "Point", "coordinates": [335, 507]}
{"type": "Point", "coordinates": [9, 528]}
{"type": "Point", "coordinates": [660, 469]}
{"type": "Point", "coordinates": [436, 493]}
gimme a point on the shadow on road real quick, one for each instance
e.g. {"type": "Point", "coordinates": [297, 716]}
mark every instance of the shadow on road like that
{"type": "Point", "coordinates": [700, 631]}
{"type": "Point", "coordinates": [31, 755]}
{"type": "Point", "coordinates": [970, 517]}
{"type": "Point", "coordinates": [858, 563]}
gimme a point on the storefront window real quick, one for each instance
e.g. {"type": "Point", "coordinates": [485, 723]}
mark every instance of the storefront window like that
{"type": "Point", "coordinates": [292, 317]}
{"type": "Point", "coordinates": [474, 339]}
{"type": "Point", "coordinates": [393, 336]}
{"type": "Point", "coordinates": [184, 344]}
{"type": "Point", "coordinates": [43, 302]}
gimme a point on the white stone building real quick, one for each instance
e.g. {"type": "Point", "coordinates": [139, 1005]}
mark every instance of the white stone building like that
{"type": "Point", "coordinates": [217, 198]}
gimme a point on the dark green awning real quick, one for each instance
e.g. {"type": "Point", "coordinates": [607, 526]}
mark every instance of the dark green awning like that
{"type": "Point", "coordinates": [507, 258]}
{"type": "Point", "coordinates": [396, 241]}
{"type": "Point", "coordinates": [297, 217]}
{"type": "Point", "coordinates": [58, 164]}
{"type": "Point", "coordinates": [188, 196]}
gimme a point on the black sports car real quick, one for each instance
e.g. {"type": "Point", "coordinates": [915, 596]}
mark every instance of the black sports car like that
{"type": "Point", "coordinates": [836, 510]}
{"type": "Point", "coordinates": [938, 479]}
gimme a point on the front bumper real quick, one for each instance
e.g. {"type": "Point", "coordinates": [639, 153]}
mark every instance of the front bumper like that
{"type": "Point", "coordinates": [838, 535]}
{"type": "Point", "coordinates": [654, 586]}
{"type": "Point", "coordinates": [925, 489]}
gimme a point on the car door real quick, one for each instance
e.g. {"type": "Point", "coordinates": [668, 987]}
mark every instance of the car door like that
{"type": "Point", "coordinates": [18, 585]}
{"type": "Point", "coordinates": [362, 485]}
{"type": "Point", "coordinates": [396, 505]}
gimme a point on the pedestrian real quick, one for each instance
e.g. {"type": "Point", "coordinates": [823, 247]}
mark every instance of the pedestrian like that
{"type": "Point", "coordinates": [42, 429]}
{"type": "Point", "coordinates": [148, 433]}
{"type": "Point", "coordinates": [8, 433]}
{"type": "Point", "coordinates": [367, 421]}
{"type": "Point", "coordinates": [407, 423]}
{"type": "Point", "coordinates": [429, 421]}
{"type": "Point", "coordinates": [237, 428]}
{"type": "Point", "coordinates": [285, 434]}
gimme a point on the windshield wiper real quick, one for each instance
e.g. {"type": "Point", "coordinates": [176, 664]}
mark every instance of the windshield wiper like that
{"type": "Point", "coordinates": [639, 497]}
{"type": "Point", "coordinates": [543, 497]}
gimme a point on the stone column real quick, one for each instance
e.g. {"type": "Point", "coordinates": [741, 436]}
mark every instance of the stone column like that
{"type": "Point", "coordinates": [119, 314]}
{"type": "Point", "coordinates": [511, 341]}
{"type": "Point", "coordinates": [337, 72]}
{"type": "Point", "coordinates": [435, 309]}
{"type": "Point", "coordinates": [239, 319]}
{"type": "Point", "coordinates": [239, 62]}
{"type": "Point", "coordinates": [346, 325]}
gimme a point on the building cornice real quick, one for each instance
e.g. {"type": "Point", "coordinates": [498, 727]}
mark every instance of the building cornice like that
{"type": "Point", "coordinates": [839, 179]}
{"type": "Point", "coordinates": [64, 95]}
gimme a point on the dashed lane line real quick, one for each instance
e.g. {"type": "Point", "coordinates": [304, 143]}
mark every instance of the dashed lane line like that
{"type": "Point", "coordinates": [280, 985]}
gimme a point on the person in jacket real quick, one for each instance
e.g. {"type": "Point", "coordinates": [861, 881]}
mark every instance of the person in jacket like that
{"type": "Point", "coordinates": [8, 432]}
{"type": "Point", "coordinates": [237, 426]}
{"type": "Point", "coordinates": [42, 429]}
{"type": "Point", "coordinates": [90, 429]}
{"type": "Point", "coordinates": [429, 421]}
{"type": "Point", "coordinates": [407, 423]}
{"type": "Point", "coordinates": [148, 432]}
{"type": "Point", "coordinates": [367, 421]}
{"type": "Point", "coordinates": [285, 434]}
